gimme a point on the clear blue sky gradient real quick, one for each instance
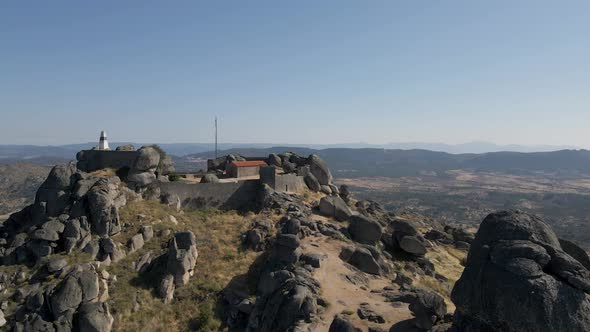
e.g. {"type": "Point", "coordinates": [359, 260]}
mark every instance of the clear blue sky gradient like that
{"type": "Point", "coordinates": [295, 71]}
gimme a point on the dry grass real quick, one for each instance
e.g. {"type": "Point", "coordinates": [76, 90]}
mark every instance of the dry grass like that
{"type": "Point", "coordinates": [194, 307]}
{"type": "Point", "coordinates": [105, 172]}
{"type": "Point", "coordinates": [447, 262]}
{"type": "Point", "coordinates": [312, 197]}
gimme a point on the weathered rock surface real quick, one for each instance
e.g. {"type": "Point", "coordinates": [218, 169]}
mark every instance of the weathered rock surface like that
{"type": "Point", "coordinates": [312, 182]}
{"type": "Point", "coordinates": [110, 250]}
{"type": "Point", "coordinates": [340, 324]}
{"type": "Point", "coordinates": [104, 200]}
{"type": "Point", "coordinates": [320, 170]}
{"type": "Point", "coordinates": [269, 199]}
{"type": "Point", "coordinates": [166, 166]}
{"type": "Point", "coordinates": [413, 245]}
{"type": "Point", "coordinates": [56, 264]}
{"type": "Point", "coordinates": [361, 258]}
{"type": "Point", "coordinates": [428, 308]}
{"type": "Point", "coordinates": [255, 238]}
{"type": "Point", "coordinates": [345, 193]}
{"type": "Point", "coordinates": [95, 317]}
{"type": "Point", "coordinates": [127, 147]}
{"type": "Point", "coordinates": [275, 160]}
{"type": "Point", "coordinates": [365, 312]}
{"type": "Point", "coordinates": [576, 252]}
{"type": "Point", "coordinates": [334, 206]}
{"type": "Point", "coordinates": [76, 303]}
{"type": "Point", "coordinates": [364, 230]}
{"type": "Point", "coordinates": [289, 167]}
{"type": "Point", "coordinates": [140, 179]}
{"type": "Point", "coordinates": [293, 301]}
{"type": "Point", "coordinates": [210, 178]}
{"type": "Point", "coordinates": [518, 278]}
{"type": "Point", "coordinates": [407, 238]}
{"type": "Point", "coordinates": [55, 190]}
{"type": "Point", "coordinates": [182, 257]}
{"type": "Point", "coordinates": [366, 207]}
{"type": "Point", "coordinates": [135, 243]}
{"type": "Point", "coordinates": [166, 288]}
{"type": "Point", "coordinates": [147, 159]}
{"type": "Point", "coordinates": [287, 293]}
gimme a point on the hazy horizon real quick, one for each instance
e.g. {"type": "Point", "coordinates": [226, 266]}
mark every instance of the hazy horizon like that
{"type": "Point", "coordinates": [333, 72]}
{"type": "Point", "coordinates": [184, 148]}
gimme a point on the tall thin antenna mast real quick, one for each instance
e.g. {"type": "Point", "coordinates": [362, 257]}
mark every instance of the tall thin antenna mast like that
{"type": "Point", "coordinates": [215, 137]}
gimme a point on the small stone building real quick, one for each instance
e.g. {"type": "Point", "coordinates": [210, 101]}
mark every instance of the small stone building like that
{"type": "Point", "coordinates": [241, 169]}
{"type": "Point", "coordinates": [289, 183]}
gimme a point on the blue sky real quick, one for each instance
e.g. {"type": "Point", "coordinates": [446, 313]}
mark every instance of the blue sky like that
{"type": "Point", "coordinates": [295, 71]}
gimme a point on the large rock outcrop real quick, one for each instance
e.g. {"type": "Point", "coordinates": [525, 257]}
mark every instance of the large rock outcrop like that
{"type": "Point", "coordinates": [287, 293]}
{"type": "Point", "coordinates": [518, 278]}
{"type": "Point", "coordinates": [76, 303]}
{"type": "Point", "coordinates": [104, 200]}
{"type": "Point", "coordinates": [70, 207]}
{"type": "Point", "coordinates": [313, 169]}
{"type": "Point", "coordinates": [177, 263]}
{"type": "Point", "coordinates": [54, 192]}
{"type": "Point", "coordinates": [320, 169]}
{"type": "Point", "coordinates": [143, 172]}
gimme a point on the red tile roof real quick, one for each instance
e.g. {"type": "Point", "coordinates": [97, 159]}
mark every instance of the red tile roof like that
{"type": "Point", "coordinates": [249, 163]}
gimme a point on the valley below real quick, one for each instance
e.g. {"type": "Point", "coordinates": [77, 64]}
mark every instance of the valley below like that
{"type": "Point", "coordinates": [467, 196]}
{"type": "Point", "coordinates": [18, 184]}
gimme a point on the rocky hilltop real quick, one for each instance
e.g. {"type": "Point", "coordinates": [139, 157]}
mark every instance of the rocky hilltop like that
{"type": "Point", "coordinates": [105, 251]}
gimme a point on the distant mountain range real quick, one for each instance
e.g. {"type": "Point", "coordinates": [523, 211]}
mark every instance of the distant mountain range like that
{"type": "Point", "coordinates": [345, 162]}
{"type": "Point", "coordinates": [394, 163]}
{"type": "Point", "coordinates": [20, 152]}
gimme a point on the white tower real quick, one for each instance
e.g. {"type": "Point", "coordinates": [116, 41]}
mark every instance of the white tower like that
{"type": "Point", "coordinates": [103, 144]}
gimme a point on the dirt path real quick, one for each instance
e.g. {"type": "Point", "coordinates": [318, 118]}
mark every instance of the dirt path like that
{"type": "Point", "coordinates": [344, 296]}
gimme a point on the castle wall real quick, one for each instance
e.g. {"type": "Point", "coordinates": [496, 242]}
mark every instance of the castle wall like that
{"type": "Point", "coordinates": [228, 196]}
{"type": "Point", "coordinates": [289, 183]}
{"type": "Point", "coordinates": [92, 160]}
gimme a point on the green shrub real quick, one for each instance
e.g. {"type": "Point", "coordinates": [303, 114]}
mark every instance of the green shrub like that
{"type": "Point", "coordinates": [205, 319]}
{"type": "Point", "coordinates": [173, 177]}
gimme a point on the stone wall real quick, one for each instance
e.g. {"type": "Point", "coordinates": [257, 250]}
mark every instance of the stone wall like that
{"type": "Point", "coordinates": [289, 183]}
{"type": "Point", "coordinates": [227, 196]}
{"type": "Point", "coordinates": [282, 182]}
{"type": "Point", "coordinates": [268, 175]}
{"type": "Point", "coordinates": [243, 171]}
{"type": "Point", "coordinates": [93, 160]}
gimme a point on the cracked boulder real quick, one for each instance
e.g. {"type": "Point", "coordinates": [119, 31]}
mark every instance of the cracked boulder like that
{"type": "Point", "coordinates": [334, 206]}
{"type": "Point", "coordinates": [320, 169]}
{"type": "Point", "coordinates": [104, 201]}
{"type": "Point", "coordinates": [518, 278]}
{"type": "Point", "coordinates": [293, 302]}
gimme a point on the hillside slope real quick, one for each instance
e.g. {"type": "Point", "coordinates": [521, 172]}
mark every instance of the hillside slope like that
{"type": "Point", "coordinates": [18, 184]}
{"type": "Point", "coordinates": [96, 252]}
{"type": "Point", "coordinates": [397, 163]}
{"type": "Point", "coordinates": [91, 254]}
